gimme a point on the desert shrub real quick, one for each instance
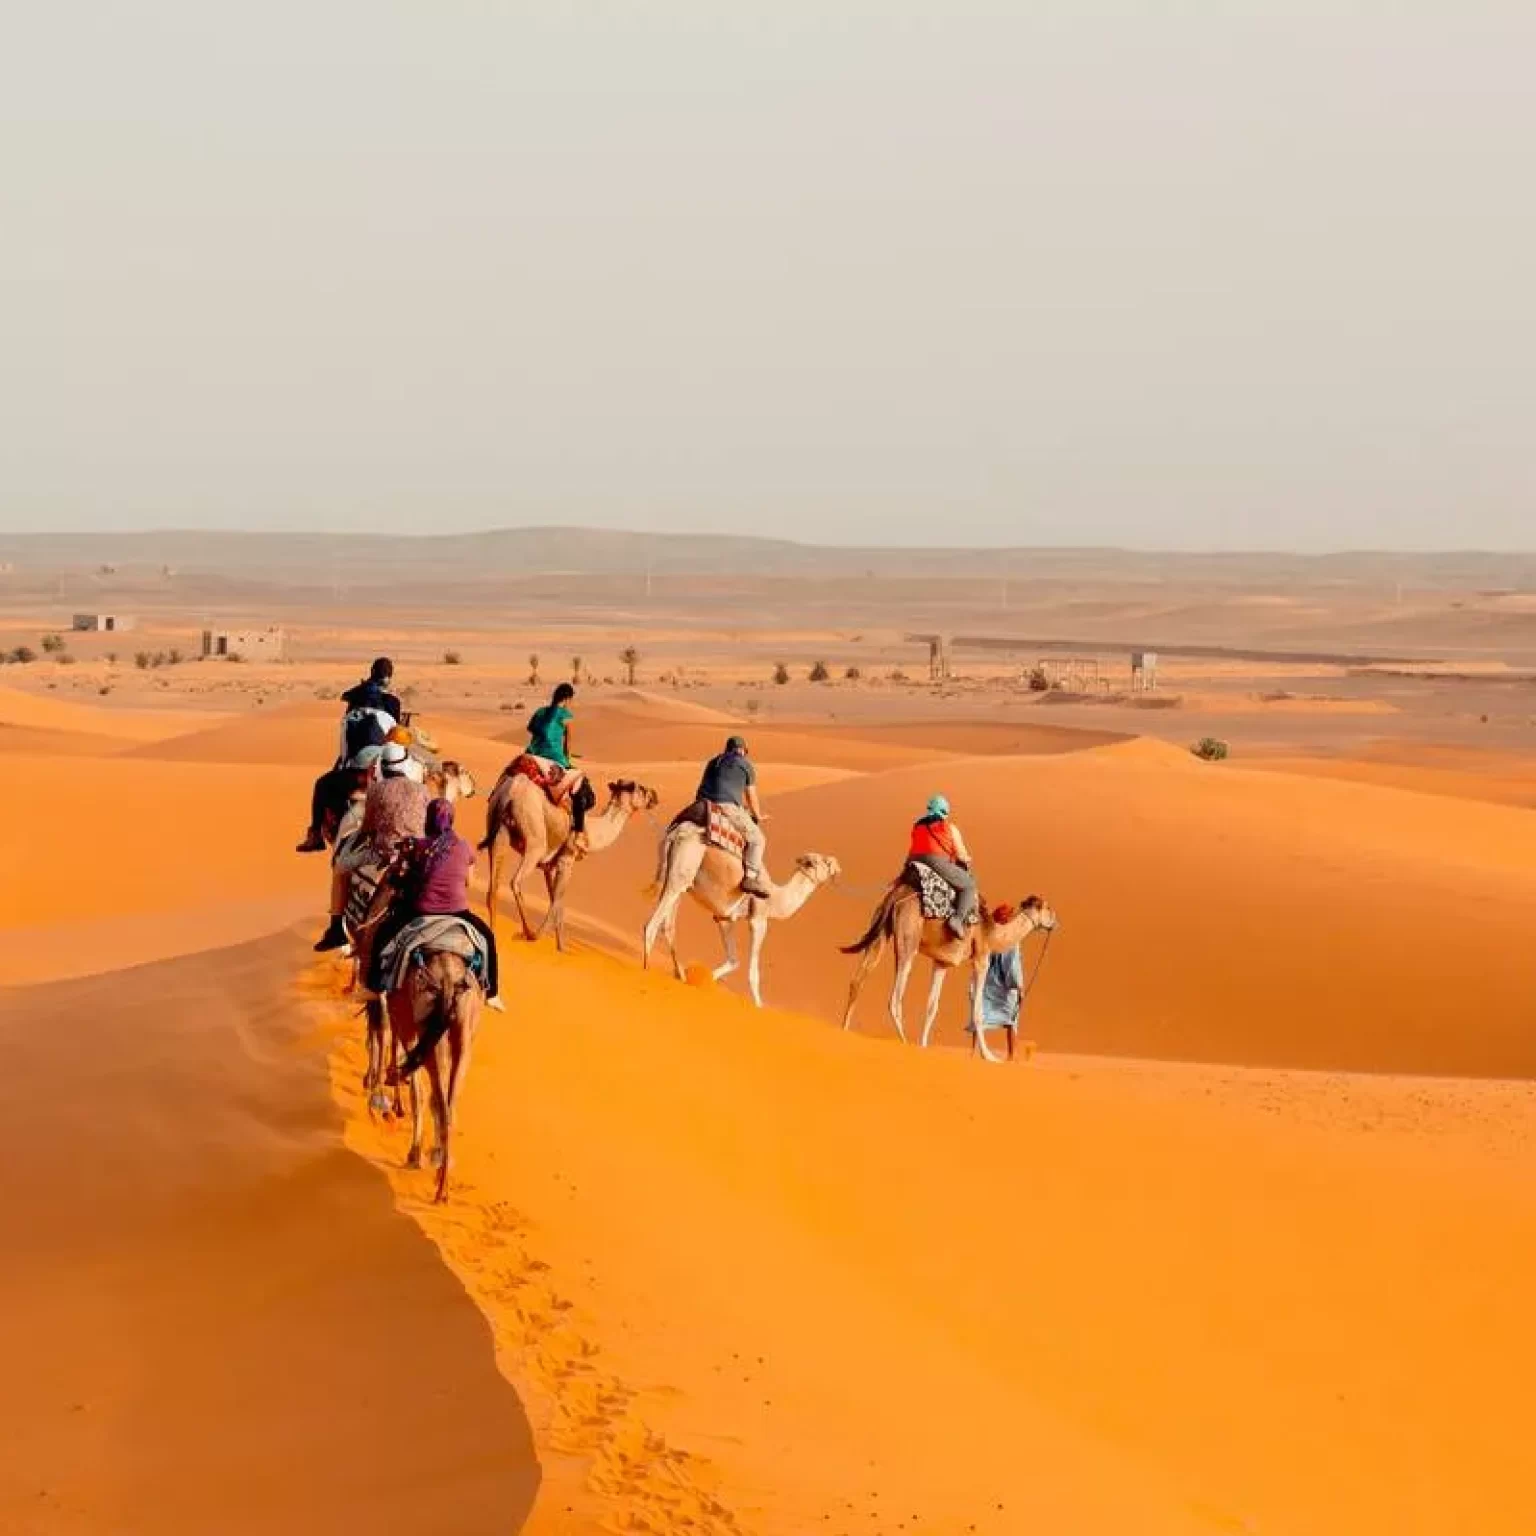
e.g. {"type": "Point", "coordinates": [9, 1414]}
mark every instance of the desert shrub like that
{"type": "Point", "coordinates": [173, 657]}
{"type": "Point", "coordinates": [105, 689]}
{"type": "Point", "coordinates": [22, 655]}
{"type": "Point", "coordinates": [575, 669]}
{"type": "Point", "coordinates": [1038, 681]}
{"type": "Point", "coordinates": [819, 672]}
{"type": "Point", "coordinates": [852, 674]}
{"type": "Point", "coordinates": [753, 705]}
{"type": "Point", "coordinates": [631, 659]}
{"type": "Point", "coordinates": [452, 659]}
{"type": "Point", "coordinates": [141, 660]}
{"type": "Point", "coordinates": [111, 658]}
{"type": "Point", "coordinates": [780, 673]}
{"type": "Point", "coordinates": [52, 643]}
{"type": "Point", "coordinates": [1209, 750]}
{"type": "Point", "coordinates": [897, 675]}
{"type": "Point", "coordinates": [235, 656]}
{"type": "Point", "coordinates": [64, 659]}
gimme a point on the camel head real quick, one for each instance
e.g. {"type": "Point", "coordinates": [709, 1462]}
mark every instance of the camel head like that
{"type": "Point", "coordinates": [632, 797]}
{"type": "Point", "coordinates": [1040, 912]}
{"type": "Point", "coordinates": [458, 782]}
{"type": "Point", "coordinates": [818, 868]}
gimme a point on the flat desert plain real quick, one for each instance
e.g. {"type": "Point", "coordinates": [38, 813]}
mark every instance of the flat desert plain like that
{"type": "Point", "coordinates": [1243, 1245]}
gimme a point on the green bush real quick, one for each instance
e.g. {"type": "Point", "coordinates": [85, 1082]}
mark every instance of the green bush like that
{"type": "Point", "coordinates": [1209, 750]}
{"type": "Point", "coordinates": [52, 643]}
{"type": "Point", "coordinates": [22, 655]}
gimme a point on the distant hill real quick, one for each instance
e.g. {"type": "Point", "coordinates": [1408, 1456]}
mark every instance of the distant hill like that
{"type": "Point", "coordinates": [323, 558]}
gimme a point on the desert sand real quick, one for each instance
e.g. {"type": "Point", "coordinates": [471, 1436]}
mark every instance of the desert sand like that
{"type": "Point", "coordinates": [1245, 1247]}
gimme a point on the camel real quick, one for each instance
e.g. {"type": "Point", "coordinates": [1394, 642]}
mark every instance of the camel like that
{"type": "Point", "coordinates": [439, 994]}
{"type": "Point", "coordinates": [538, 831]}
{"type": "Point", "coordinates": [688, 865]}
{"type": "Point", "coordinates": [899, 918]}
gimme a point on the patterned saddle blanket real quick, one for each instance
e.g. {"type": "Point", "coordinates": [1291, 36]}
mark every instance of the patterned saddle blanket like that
{"type": "Point", "coordinates": [714, 824]}
{"type": "Point", "coordinates": [423, 936]}
{"type": "Point", "coordinates": [935, 894]}
{"type": "Point", "coordinates": [555, 781]}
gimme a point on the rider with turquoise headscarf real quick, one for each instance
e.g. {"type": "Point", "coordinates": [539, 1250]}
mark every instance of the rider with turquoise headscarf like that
{"type": "Point", "coordinates": [937, 843]}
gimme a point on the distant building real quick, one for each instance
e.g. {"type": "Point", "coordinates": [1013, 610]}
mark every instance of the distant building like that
{"type": "Point", "coordinates": [269, 644]}
{"type": "Point", "coordinates": [106, 623]}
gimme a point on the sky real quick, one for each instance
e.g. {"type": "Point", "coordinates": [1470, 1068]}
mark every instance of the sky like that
{"type": "Point", "coordinates": [1176, 276]}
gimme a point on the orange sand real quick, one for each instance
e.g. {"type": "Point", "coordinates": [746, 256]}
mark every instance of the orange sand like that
{"type": "Point", "coordinates": [749, 1273]}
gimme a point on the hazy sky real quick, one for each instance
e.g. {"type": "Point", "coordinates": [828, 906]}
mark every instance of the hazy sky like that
{"type": "Point", "coordinates": [1169, 275]}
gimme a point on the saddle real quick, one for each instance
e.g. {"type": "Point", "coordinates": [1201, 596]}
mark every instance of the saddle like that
{"type": "Point", "coordinates": [935, 895]}
{"type": "Point", "coordinates": [550, 777]}
{"type": "Point", "coordinates": [424, 936]}
{"type": "Point", "coordinates": [712, 822]}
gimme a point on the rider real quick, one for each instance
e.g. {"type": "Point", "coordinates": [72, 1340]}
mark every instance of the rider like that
{"type": "Point", "coordinates": [435, 883]}
{"type": "Point", "coordinates": [730, 784]}
{"type": "Point", "coordinates": [937, 843]}
{"type": "Point", "coordinates": [395, 810]}
{"type": "Point", "coordinates": [372, 712]}
{"type": "Point", "coordinates": [549, 737]}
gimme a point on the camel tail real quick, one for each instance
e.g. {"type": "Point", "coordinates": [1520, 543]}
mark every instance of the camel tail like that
{"type": "Point", "coordinates": [492, 822]}
{"type": "Point", "coordinates": [876, 929]}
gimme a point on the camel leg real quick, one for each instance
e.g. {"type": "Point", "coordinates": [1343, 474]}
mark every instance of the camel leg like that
{"type": "Point", "coordinates": [439, 1120]}
{"type": "Point", "coordinates": [757, 929]}
{"type": "Point", "coordinates": [670, 930]}
{"type": "Point", "coordinates": [516, 883]}
{"type": "Point", "coordinates": [493, 880]}
{"type": "Point", "coordinates": [373, 1078]}
{"type": "Point", "coordinates": [394, 1067]}
{"type": "Point", "coordinates": [727, 931]}
{"type": "Point", "coordinates": [556, 877]}
{"type": "Point", "coordinates": [413, 1155]}
{"type": "Point", "coordinates": [459, 1039]}
{"type": "Point", "coordinates": [935, 990]}
{"type": "Point", "coordinates": [979, 1033]}
{"type": "Point", "coordinates": [867, 962]}
{"type": "Point", "coordinates": [899, 991]}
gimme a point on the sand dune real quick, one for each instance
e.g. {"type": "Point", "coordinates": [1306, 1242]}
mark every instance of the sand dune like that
{"type": "Point", "coordinates": [212, 1319]}
{"type": "Point", "coordinates": [1207, 913]}
{"type": "Point", "coordinates": [748, 1271]}
{"type": "Point", "coordinates": [36, 711]}
{"type": "Point", "coordinates": [844, 1287]}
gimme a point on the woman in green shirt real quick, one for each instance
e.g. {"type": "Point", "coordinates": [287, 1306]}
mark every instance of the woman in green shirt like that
{"type": "Point", "coordinates": [549, 737]}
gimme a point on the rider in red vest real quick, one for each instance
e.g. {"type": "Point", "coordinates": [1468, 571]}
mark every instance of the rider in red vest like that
{"type": "Point", "coordinates": [937, 843]}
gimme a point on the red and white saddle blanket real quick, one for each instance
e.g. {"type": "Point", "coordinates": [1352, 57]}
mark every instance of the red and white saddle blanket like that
{"type": "Point", "coordinates": [721, 832]}
{"type": "Point", "coordinates": [555, 781]}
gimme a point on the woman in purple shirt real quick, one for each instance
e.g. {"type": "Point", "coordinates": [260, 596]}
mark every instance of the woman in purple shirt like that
{"type": "Point", "coordinates": [438, 867]}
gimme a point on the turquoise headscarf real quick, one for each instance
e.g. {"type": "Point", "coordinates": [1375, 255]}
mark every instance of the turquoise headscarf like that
{"type": "Point", "coordinates": [938, 806]}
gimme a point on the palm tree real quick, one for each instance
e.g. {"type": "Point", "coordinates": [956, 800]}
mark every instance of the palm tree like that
{"type": "Point", "coordinates": [631, 659]}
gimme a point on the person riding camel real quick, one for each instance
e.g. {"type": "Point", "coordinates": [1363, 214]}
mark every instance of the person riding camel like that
{"type": "Point", "coordinates": [730, 784]}
{"type": "Point", "coordinates": [549, 738]}
{"type": "Point", "coordinates": [372, 712]}
{"type": "Point", "coordinates": [394, 812]}
{"type": "Point", "coordinates": [434, 882]}
{"type": "Point", "coordinates": [937, 843]}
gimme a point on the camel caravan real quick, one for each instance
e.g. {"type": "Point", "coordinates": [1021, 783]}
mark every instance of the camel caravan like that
{"type": "Point", "coordinates": [427, 965]}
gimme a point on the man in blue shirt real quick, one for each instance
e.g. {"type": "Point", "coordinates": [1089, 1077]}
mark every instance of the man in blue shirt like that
{"type": "Point", "coordinates": [1002, 993]}
{"type": "Point", "coordinates": [729, 782]}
